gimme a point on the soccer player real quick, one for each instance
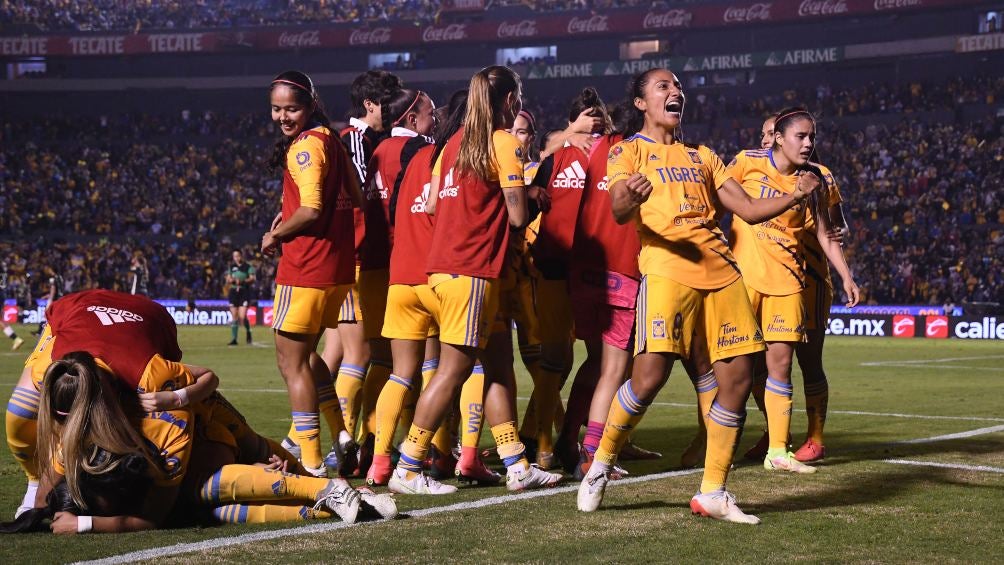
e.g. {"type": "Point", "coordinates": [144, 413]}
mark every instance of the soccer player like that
{"type": "Point", "coordinates": [769, 254]}
{"type": "Point", "coordinates": [361, 138]}
{"type": "Point", "coordinates": [481, 174]}
{"type": "Point", "coordinates": [316, 233]}
{"type": "Point", "coordinates": [690, 282]}
{"type": "Point", "coordinates": [16, 342]}
{"type": "Point", "coordinates": [239, 278]}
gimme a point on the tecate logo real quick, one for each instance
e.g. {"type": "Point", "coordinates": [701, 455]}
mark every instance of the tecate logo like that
{"type": "Point", "coordinates": [375, 36]}
{"type": "Point", "coordinates": [822, 7]}
{"type": "Point", "coordinates": [303, 39]}
{"type": "Point", "coordinates": [669, 19]}
{"type": "Point", "coordinates": [751, 13]}
{"type": "Point", "coordinates": [893, 4]}
{"type": "Point", "coordinates": [592, 24]}
{"type": "Point", "coordinates": [902, 326]}
{"type": "Point", "coordinates": [525, 28]}
{"type": "Point", "coordinates": [452, 32]}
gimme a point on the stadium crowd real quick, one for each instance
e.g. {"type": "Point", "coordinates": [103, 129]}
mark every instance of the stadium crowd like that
{"type": "Point", "coordinates": [940, 235]}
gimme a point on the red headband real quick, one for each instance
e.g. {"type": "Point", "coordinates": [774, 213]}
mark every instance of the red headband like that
{"type": "Point", "coordinates": [410, 106]}
{"type": "Point", "coordinates": [529, 117]}
{"type": "Point", "coordinates": [789, 114]}
{"type": "Point", "coordinates": [61, 413]}
{"type": "Point", "coordinates": [300, 86]}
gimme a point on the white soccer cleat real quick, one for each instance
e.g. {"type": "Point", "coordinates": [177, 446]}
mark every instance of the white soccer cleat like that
{"type": "Point", "coordinates": [419, 484]}
{"type": "Point", "coordinates": [377, 506]}
{"type": "Point", "coordinates": [28, 500]}
{"type": "Point", "coordinates": [720, 505]}
{"type": "Point", "coordinates": [318, 472]}
{"type": "Point", "coordinates": [786, 462]}
{"type": "Point", "coordinates": [531, 477]}
{"type": "Point", "coordinates": [591, 490]}
{"type": "Point", "coordinates": [291, 446]}
{"type": "Point", "coordinates": [341, 499]}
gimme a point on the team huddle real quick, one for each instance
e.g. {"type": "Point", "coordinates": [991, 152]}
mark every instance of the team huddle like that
{"type": "Point", "coordinates": [413, 242]}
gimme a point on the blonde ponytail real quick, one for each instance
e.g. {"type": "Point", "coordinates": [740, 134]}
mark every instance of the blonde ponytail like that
{"type": "Point", "coordinates": [486, 97]}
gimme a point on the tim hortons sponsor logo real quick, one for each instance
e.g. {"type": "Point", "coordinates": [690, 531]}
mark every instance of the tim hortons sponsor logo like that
{"type": "Point", "coordinates": [751, 13]}
{"type": "Point", "coordinates": [524, 28]}
{"type": "Point", "coordinates": [375, 36]}
{"type": "Point", "coordinates": [667, 19]}
{"type": "Point", "coordinates": [452, 32]}
{"type": "Point", "coordinates": [822, 7]}
{"type": "Point", "coordinates": [310, 38]}
{"type": "Point", "coordinates": [591, 24]}
{"type": "Point", "coordinates": [893, 4]}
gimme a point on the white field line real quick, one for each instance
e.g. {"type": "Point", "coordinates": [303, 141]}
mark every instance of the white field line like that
{"type": "Point", "coordinates": [960, 435]}
{"type": "Point", "coordinates": [749, 408]}
{"type": "Point", "coordinates": [983, 468]}
{"type": "Point", "coordinates": [181, 548]}
{"type": "Point", "coordinates": [926, 361]}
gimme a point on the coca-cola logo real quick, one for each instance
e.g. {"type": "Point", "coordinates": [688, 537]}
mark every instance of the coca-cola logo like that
{"type": "Point", "coordinates": [668, 19]}
{"type": "Point", "coordinates": [591, 24]}
{"type": "Point", "coordinates": [452, 32]}
{"type": "Point", "coordinates": [375, 36]}
{"type": "Point", "coordinates": [893, 4]}
{"type": "Point", "coordinates": [524, 28]}
{"type": "Point", "coordinates": [752, 13]}
{"type": "Point", "coordinates": [310, 38]}
{"type": "Point", "coordinates": [822, 7]}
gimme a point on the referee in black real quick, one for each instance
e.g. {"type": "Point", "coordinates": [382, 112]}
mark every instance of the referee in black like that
{"type": "Point", "coordinates": [239, 279]}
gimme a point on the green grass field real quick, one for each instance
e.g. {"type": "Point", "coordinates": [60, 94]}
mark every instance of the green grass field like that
{"type": "Point", "coordinates": [859, 508]}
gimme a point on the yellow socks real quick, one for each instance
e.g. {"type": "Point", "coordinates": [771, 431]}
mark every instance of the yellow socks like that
{"type": "Point", "coordinates": [547, 394]}
{"type": "Point", "coordinates": [415, 450]}
{"type": "Point", "coordinates": [376, 378]}
{"type": "Point", "coordinates": [816, 397]}
{"type": "Point", "coordinates": [329, 407]}
{"type": "Point", "coordinates": [777, 401]}
{"type": "Point", "coordinates": [472, 409]}
{"type": "Point", "coordinates": [510, 449]}
{"type": "Point", "coordinates": [265, 513]}
{"type": "Point", "coordinates": [306, 432]}
{"type": "Point", "coordinates": [250, 483]}
{"type": "Point", "coordinates": [724, 430]}
{"type": "Point", "coordinates": [347, 385]}
{"type": "Point", "coordinates": [625, 412]}
{"type": "Point", "coordinates": [388, 409]}
{"type": "Point", "coordinates": [707, 388]}
{"type": "Point", "coordinates": [22, 429]}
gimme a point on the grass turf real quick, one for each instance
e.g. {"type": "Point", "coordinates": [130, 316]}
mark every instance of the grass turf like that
{"type": "Point", "coordinates": [857, 508]}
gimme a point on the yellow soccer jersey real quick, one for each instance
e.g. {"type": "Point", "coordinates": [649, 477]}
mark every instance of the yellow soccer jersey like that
{"type": "Point", "coordinates": [813, 257]}
{"type": "Point", "coordinates": [680, 238]}
{"type": "Point", "coordinates": [169, 436]}
{"type": "Point", "coordinates": [307, 163]}
{"type": "Point", "coordinates": [530, 171]}
{"type": "Point", "coordinates": [768, 252]}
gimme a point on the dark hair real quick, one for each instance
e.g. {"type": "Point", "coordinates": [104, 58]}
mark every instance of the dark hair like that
{"type": "Point", "coordinates": [372, 86]}
{"type": "Point", "coordinates": [542, 142]}
{"type": "Point", "coordinates": [635, 118]}
{"type": "Point", "coordinates": [395, 105]}
{"type": "Point", "coordinates": [118, 492]}
{"type": "Point", "coordinates": [618, 117]}
{"type": "Point", "coordinates": [789, 116]}
{"type": "Point", "coordinates": [305, 94]}
{"type": "Point", "coordinates": [586, 100]}
{"type": "Point", "coordinates": [457, 111]}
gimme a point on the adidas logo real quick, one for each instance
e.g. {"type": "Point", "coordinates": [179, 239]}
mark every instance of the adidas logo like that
{"type": "Point", "coordinates": [764, 179]}
{"type": "Point", "coordinates": [653, 158]}
{"type": "Point", "coordinates": [572, 177]}
{"type": "Point", "coordinates": [109, 316]}
{"type": "Point", "coordinates": [449, 190]}
{"type": "Point", "coordinates": [419, 205]}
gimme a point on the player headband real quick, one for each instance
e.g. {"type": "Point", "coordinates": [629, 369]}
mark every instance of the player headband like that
{"type": "Point", "coordinates": [410, 106]}
{"type": "Point", "coordinates": [63, 414]}
{"type": "Point", "coordinates": [296, 84]}
{"type": "Point", "coordinates": [790, 114]}
{"type": "Point", "coordinates": [529, 117]}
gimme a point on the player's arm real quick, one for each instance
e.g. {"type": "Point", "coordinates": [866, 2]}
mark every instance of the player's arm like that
{"type": "Point", "coordinates": [835, 255]}
{"type": "Point", "coordinates": [251, 272]}
{"type": "Point", "coordinates": [577, 134]}
{"type": "Point", "coordinates": [204, 382]}
{"type": "Point", "coordinates": [629, 188]}
{"type": "Point", "coordinates": [756, 210]}
{"type": "Point", "coordinates": [434, 185]}
{"type": "Point", "coordinates": [508, 156]}
{"type": "Point", "coordinates": [307, 163]}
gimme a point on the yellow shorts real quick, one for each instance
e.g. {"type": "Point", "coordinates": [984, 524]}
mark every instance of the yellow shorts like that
{"type": "Point", "coordinates": [351, 310]}
{"type": "Point", "coordinates": [305, 310]}
{"type": "Point", "coordinates": [41, 357]}
{"type": "Point", "coordinates": [554, 311]}
{"type": "Point", "coordinates": [373, 300]}
{"type": "Point", "coordinates": [411, 312]}
{"type": "Point", "coordinates": [782, 318]}
{"type": "Point", "coordinates": [467, 308]}
{"type": "Point", "coordinates": [669, 313]}
{"type": "Point", "coordinates": [817, 298]}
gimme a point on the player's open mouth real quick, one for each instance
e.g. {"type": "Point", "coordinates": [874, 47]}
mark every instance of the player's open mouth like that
{"type": "Point", "coordinates": [674, 107]}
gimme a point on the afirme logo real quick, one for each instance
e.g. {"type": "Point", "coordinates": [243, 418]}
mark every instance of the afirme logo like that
{"type": "Point", "coordinates": [108, 316]}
